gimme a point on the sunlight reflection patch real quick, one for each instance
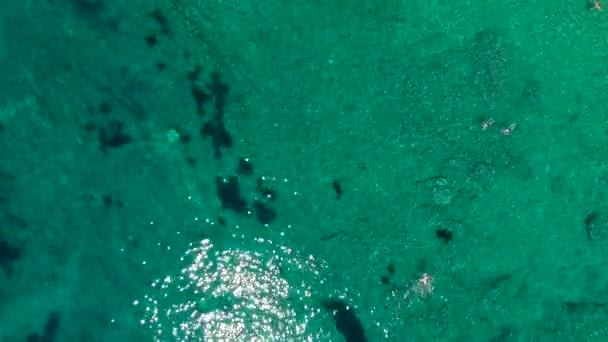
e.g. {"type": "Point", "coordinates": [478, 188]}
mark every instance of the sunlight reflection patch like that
{"type": "Point", "coordinates": [234, 295]}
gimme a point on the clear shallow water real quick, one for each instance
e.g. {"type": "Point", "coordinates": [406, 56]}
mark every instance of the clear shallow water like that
{"type": "Point", "coordinates": [449, 160]}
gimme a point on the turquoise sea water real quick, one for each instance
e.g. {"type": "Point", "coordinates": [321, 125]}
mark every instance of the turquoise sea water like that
{"type": "Point", "coordinates": [375, 170]}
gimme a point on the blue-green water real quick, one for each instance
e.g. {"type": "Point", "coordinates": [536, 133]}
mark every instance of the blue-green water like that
{"type": "Point", "coordinates": [374, 170]}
